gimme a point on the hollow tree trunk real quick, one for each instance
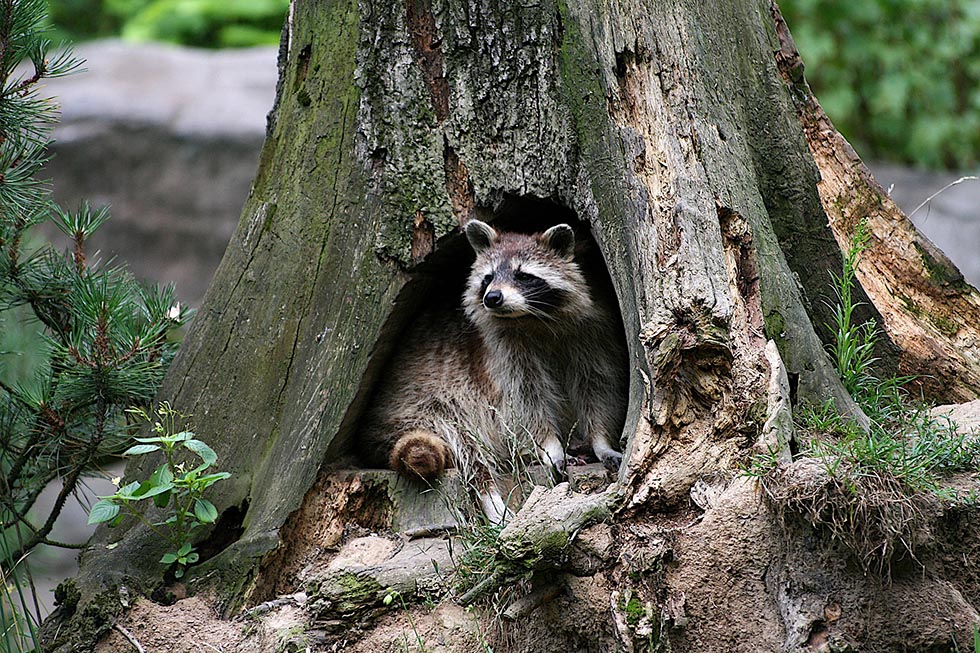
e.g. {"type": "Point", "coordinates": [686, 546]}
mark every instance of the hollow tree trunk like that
{"type": "Point", "coordinates": [667, 128]}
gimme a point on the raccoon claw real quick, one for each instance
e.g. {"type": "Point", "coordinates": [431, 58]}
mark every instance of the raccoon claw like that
{"type": "Point", "coordinates": [612, 460]}
{"type": "Point", "coordinates": [560, 466]}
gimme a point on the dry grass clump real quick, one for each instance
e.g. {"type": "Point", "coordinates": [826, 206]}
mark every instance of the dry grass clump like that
{"type": "Point", "coordinates": [872, 513]}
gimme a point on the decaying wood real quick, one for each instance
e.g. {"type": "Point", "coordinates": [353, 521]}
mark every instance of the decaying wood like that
{"type": "Point", "coordinates": [928, 308]}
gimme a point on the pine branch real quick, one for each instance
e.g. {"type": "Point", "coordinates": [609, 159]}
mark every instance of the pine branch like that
{"type": "Point", "coordinates": [41, 534]}
{"type": "Point", "coordinates": [27, 502]}
{"type": "Point", "coordinates": [23, 87]}
{"type": "Point", "coordinates": [6, 388]}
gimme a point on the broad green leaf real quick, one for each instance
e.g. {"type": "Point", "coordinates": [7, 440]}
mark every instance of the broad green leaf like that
{"type": "Point", "coordinates": [157, 490]}
{"type": "Point", "coordinates": [169, 558]}
{"type": "Point", "coordinates": [141, 449]}
{"type": "Point", "coordinates": [126, 492]}
{"type": "Point", "coordinates": [179, 573]}
{"type": "Point", "coordinates": [162, 475]}
{"type": "Point", "coordinates": [184, 549]}
{"type": "Point", "coordinates": [182, 436]}
{"type": "Point", "coordinates": [161, 500]}
{"type": "Point", "coordinates": [157, 439]}
{"type": "Point", "coordinates": [210, 479]}
{"type": "Point", "coordinates": [205, 511]}
{"type": "Point", "coordinates": [102, 511]}
{"type": "Point", "coordinates": [206, 453]}
{"type": "Point", "coordinates": [143, 488]}
{"type": "Point", "coordinates": [192, 558]}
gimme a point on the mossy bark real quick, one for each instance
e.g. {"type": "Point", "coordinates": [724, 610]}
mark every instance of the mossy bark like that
{"type": "Point", "coordinates": [666, 128]}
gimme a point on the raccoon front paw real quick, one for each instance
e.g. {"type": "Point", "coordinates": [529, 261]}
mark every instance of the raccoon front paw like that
{"type": "Point", "coordinates": [612, 460]}
{"type": "Point", "coordinates": [560, 465]}
{"type": "Point", "coordinates": [554, 453]}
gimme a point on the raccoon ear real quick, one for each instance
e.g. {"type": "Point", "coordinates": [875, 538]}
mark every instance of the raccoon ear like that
{"type": "Point", "coordinates": [561, 239]}
{"type": "Point", "coordinates": [480, 234]}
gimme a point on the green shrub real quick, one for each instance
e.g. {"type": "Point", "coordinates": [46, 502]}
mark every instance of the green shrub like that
{"type": "Point", "coordinates": [899, 78]}
{"type": "Point", "coordinates": [174, 486]}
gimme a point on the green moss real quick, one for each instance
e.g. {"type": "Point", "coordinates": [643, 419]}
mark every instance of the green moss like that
{"type": "Point", "coordinates": [775, 326]}
{"type": "Point", "coordinates": [946, 326]}
{"type": "Point", "coordinates": [910, 305]}
{"type": "Point", "coordinates": [92, 621]}
{"type": "Point", "coordinates": [554, 542]}
{"type": "Point", "coordinates": [350, 592]}
{"type": "Point", "coordinates": [66, 596]}
{"type": "Point", "coordinates": [940, 273]}
{"type": "Point", "coordinates": [580, 84]}
{"type": "Point", "coordinates": [292, 640]}
{"type": "Point", "coordinates": [634, 611]}
{"type": "Point", "coordinates": [270, 215]}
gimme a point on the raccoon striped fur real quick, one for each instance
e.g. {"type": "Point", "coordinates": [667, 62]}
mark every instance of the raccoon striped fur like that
{"type": "Point", "coordinates": [532, 350]}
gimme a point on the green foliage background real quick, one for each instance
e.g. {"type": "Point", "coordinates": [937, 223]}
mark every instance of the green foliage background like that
{"type": "Point", "coordinates": [201, 23]}
{"type": "Point", "coordinates": [899, 78]}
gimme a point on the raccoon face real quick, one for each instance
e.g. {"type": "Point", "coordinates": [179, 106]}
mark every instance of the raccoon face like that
{"type": "Point", "coordinates": [519, 276]}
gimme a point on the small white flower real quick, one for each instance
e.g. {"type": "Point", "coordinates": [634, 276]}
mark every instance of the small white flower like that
{"type": "Point", "coordinates": [174, 312]}
{"type": "Point", "coordinates": [116, 480]}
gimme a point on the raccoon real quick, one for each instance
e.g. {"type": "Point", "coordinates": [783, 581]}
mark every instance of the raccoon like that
{"type": "Point", "coordinates": [531, 349]}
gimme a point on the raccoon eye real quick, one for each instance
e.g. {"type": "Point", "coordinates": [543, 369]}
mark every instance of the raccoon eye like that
{"type": "Point", "coordinates": [520, 275]}
{"type": "Point", "coordinates": [488, 278]}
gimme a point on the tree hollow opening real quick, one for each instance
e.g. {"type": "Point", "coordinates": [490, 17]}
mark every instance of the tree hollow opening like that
{"type": "Point", "coordinates": [434, 291]}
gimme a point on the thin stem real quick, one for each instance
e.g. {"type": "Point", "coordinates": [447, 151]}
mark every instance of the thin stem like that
{"type": "Point", "coordinates": [941, 190]}
{"type": "Point", "coordinates": [129, 636]}
{"type": "Point", "coordinates": [13, 475]}
{"type": "Point", "coordinates": [153, 528]}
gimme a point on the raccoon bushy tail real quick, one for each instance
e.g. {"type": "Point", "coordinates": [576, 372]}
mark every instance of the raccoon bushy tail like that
{"type": "Point", "coordinates": [420, 453]}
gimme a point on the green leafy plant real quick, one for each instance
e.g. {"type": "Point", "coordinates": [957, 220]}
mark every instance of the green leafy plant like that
{"type": "Point", "coordinates": [912, 446]}
{"type": "Point", "coordinates": [201, 23]}
{"type": "Point", "coordinates": [174, 486]}
{"type": "Point", "coordinates": [870, 487]}
{"type": "Point", "coordinates": [903, 440]}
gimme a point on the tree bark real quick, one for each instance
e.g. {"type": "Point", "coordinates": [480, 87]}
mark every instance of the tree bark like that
{"type": "Point", "coordinates": [678, 134]}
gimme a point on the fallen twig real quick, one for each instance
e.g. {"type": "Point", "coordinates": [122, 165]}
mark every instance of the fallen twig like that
{"type": "Point", "coordinates": [132, 640]}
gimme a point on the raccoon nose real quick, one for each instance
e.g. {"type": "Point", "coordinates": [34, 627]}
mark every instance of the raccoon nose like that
{"type": "Point", "coordinates": [493, 299]}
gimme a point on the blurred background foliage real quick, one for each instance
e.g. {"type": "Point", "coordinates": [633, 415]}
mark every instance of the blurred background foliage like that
{"type": "Point", "coordinates": [200, 23]}
{"type": "Point", "coordinates": [899, 78]}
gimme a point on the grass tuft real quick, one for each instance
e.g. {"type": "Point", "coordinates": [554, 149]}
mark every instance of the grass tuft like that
{"type": "Point", "coordinates": [870, 489]}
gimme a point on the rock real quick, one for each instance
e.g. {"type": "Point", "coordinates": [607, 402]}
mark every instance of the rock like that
{"type": "Point", "coordinates": [965, 416]}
